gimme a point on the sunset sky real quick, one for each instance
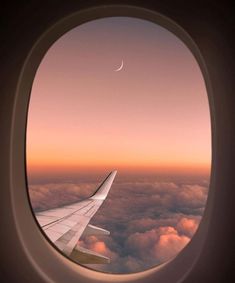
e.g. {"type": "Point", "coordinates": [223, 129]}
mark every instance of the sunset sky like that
{"type": "Point", "coordinates": [153, 115]}
{"type": "Point", "coordinates": [150, 121]}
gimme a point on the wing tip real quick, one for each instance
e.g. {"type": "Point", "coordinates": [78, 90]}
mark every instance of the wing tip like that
{"type": "Point", "coordinates": [103, 189]}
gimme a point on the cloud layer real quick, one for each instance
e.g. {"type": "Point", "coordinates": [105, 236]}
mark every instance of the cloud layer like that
{"type": "Point", "coordinates": [52, 195]}
{"type": "Point", "coordinates": [150, 221]}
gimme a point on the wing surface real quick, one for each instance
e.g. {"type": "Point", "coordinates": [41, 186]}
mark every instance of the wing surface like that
{"type": "Point", "coordinates": [65, 225]}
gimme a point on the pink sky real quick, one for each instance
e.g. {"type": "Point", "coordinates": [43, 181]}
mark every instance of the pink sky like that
{"type": "Point", "coordinates": [153, 114]}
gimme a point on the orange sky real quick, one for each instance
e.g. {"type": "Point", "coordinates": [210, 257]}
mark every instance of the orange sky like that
{"type": "Point", "coordinates": [153, 114]}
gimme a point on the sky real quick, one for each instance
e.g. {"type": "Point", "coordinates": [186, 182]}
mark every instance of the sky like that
{"type": "Point", "coordinates": [151, 115]}
{"type": "Point", "coordinates": [149, 121]}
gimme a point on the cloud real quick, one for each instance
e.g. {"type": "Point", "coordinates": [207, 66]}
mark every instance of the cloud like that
{"type": "Point", "coordinates": [159, 244]}
{"type": "Point", "coordinates": [53, 195]}
{"type": "Point", "coordinates": [169, 244]}
{"type": "Point", "coordinates": [97, 245]}
{"type": "Point", "coordinates": [150, 221]}
{"type": "Point", "coordinates": [187, 226]}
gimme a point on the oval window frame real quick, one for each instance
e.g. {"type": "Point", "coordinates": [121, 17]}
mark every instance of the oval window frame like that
{"type": "Point", "coordinates": [177, 268]}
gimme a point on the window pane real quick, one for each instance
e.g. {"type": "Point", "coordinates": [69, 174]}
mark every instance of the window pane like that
{"type": "Point", "coordinates": [122, 94]}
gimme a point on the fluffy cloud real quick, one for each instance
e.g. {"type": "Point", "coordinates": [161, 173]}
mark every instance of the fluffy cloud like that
{"type": "Point", "coordinates": [159, 244]}
{"type": "Point", "coordinates": [53, 195]}
{"type": "Point", "coordinates": [187, 226]}
{"type": "Point", "coordinates": [150, 221]}
{"type": "Point", "coordinates": [169, 244]}
{"type": "Point", "coordinates": [97, 245]}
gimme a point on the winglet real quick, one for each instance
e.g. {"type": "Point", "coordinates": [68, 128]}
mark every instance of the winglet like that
{"type": "Point", "coordinates": [103, 190]}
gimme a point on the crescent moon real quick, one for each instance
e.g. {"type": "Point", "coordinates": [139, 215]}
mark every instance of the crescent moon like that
{"type": "Point", "coordinates": [119, 69]}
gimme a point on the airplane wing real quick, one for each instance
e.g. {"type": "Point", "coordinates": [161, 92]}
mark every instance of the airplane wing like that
{"type": "Point", "coordinates": [65, 225]}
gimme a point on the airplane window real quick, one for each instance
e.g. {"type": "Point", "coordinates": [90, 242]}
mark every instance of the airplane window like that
{"type": "Point", "coordinates": [118, 145]}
